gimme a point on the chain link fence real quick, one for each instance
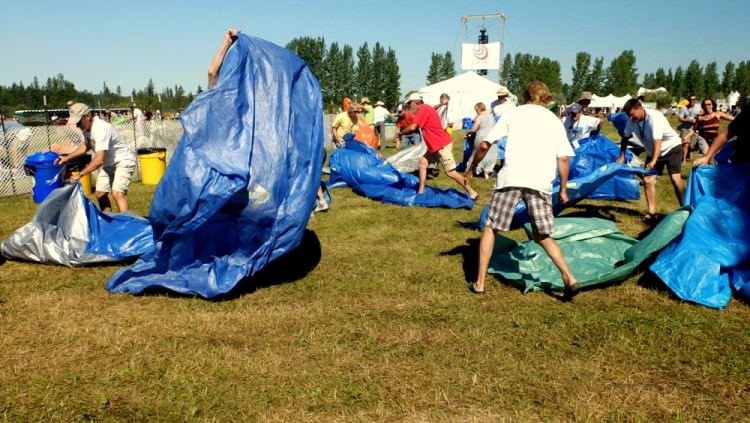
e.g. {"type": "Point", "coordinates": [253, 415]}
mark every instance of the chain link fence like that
{"type": "Point", "coordinates": [18, 142]}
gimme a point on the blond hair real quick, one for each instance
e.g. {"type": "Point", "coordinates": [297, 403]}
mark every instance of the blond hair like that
{"type": "Point", "coordinates": [480, 106]}
{"type": "Point", "coordinates": [536, 92]}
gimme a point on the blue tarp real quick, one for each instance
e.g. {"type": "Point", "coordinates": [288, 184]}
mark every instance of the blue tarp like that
{"type": "Point", "coordinates": [594, 153]}
{"type": "Point", "coordinates": [578, 189]}
{"type": "Point", "coordinates": [360, 167]}
{"type": "Point", "coordinates": [241, 185]}
{"type": "Point", "coordinates": [712, 255]}
{"type": "Point", "coordinates": [68, 229]}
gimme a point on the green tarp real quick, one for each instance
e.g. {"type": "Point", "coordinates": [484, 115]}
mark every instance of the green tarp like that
{"type": "Point", "coordinates": [596, 252]}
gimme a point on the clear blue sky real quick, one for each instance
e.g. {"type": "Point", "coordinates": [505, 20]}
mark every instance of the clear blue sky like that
{"type": "Point", "coordinates": [126, 43]}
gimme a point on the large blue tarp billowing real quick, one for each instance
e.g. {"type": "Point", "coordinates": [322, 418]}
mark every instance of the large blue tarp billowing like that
{"type": "Point", "coordinates": [712, 255]}
{"type": "Point", "coordinates": [359, 166]}
{"type": "Point", "coordinates": [68, 229]}
{"type": "Point", "coordinates": [241, 185]}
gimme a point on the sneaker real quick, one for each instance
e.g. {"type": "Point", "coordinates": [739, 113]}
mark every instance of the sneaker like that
{"type": "Point", "coordinates": [321, 206]}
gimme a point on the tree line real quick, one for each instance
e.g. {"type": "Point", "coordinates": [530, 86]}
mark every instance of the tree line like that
{"type": "Point", "coordinates": [58, 91]}
{"type": "Point", "coordinates": [374, 74]}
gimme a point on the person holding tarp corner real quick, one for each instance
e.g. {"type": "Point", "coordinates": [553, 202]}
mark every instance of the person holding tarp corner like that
{"type": "Point", "coordinates": [111, 154]}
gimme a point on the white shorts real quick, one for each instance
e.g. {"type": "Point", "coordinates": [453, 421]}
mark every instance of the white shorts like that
{"type": "Point", "coordinates": [114, 178]}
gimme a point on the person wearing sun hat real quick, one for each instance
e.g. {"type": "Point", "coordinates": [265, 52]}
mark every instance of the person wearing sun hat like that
{"type": "Point", "coordinates": [502, 104]}
{"type": "Point", "coordinates": [367, 111]}
{"type": "Point", "coordinates": [439, 144]}
{"type": "Point", "coordinates": [111, 154]}
{"type": "Point", "coordinates": [380, 113]}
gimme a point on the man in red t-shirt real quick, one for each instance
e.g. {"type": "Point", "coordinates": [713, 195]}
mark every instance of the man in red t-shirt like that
{"type": "Point", "coordinates": [439, 143]}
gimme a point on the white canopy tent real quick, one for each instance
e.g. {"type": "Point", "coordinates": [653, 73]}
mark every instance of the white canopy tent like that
{"type": "Point", "coordinates": [610, 101]}
{"type": "Point", "coordinates": [465, 91]}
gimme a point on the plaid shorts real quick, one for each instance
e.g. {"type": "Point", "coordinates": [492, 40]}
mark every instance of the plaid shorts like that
{"type": "Point", "coordinates": [538, 204]}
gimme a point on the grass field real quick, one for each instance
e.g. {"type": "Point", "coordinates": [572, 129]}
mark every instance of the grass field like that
{"type": "Point", "coordinates": [370, 321]}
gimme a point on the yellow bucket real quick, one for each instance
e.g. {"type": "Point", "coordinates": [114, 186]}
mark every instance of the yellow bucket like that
{"type": "Point", "coordinates": [153, 163]}
{"type": "Point", "coordinates": [85, 183]}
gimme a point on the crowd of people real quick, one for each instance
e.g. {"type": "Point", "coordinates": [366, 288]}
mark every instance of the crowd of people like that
{"type": "Point", "coordinates": [538, 146]}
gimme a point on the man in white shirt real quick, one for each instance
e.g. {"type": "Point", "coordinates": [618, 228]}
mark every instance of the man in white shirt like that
{"type": "Point", "coordinates": [380, 112]}
{"type": "Point", "coordinates": [502, 104]}
{"type": "Point", "coordinates": [111, 154]}
{"type": "Point", "coordinates": [536, 148]}
{"type": "Point", "coordinates": [663, 148]}
{"type": "Point", "coordinates": [579, 126]}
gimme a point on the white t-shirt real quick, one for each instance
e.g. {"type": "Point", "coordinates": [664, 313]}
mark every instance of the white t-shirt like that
{"type": "Point", "coordinates": [536, 138]}
{"type": "Point", "coordinates": [577, 131]}
{"type": "Point", "coordinates": [380, 113]}
{"type": "Point", "coordinates": [104, 137]}
{"type": "Point", "coordinates": [653, 126]}
{"type": "Point", "coordinates": [498, 109]}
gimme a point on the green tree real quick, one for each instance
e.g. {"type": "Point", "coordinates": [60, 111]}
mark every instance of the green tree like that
{"type": "Point", "coordinates": [678, 83]}
{"type": "Point", "coordinates": [580, 74]}
{"type": "Point", "coordinates": [711, 87]}
{"type": "Point", "coordinates": [595, 80]}
{"type": "Point", "coordinates": [649, 81]}
{"type": "Point", "coordinates": [727, 78]}
{"type": "Point", "coordinates": [694, 79]}
{"type": "Point", "coordinates": [622, 75]}
{"type": "Point", "coordinates": [378, 81]}
{"type": "Point", "coordinates": [362, 79]}
{"type": "Point", "coordinates": [312, 51]}
{"type": "Point", "coordinates": [660, 79]}
{"type": "Point", "coordinates": [332, 84]}
{"type": "Point", "coordinates": [392, 92]}
{"type": "Point", "coordinates": [433, 73]}
{"type": "Point", "coordinates": [507, 70]}
{"type": "Point", "coordinates": [348, 80]}
{"type": "Point", "coordinates": [447, 67]}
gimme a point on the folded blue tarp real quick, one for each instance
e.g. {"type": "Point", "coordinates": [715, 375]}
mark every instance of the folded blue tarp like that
{"type": "Point", "coordinates": [68, 229]}
{"type": "Point", "coordinates": [594, 153]}
{"type": "Point", "coordinates": [358, 165]}
{"type": "Point", "coordinates": [240, 188]}
{"type": "Point", "coordinates": [713, 253]}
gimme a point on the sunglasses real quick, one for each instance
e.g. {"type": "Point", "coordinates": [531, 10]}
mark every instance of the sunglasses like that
{"type": "Point", "coordinates": [691, 99]}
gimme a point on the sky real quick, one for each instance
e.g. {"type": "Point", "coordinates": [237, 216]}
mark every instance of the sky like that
{"type": "Point", "coordinates": [171, 42]}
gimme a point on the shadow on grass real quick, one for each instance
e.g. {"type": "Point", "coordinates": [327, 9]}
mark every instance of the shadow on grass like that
{"type": "Point", "coordinates": [470, 263]}
{"type": "Point", "coordinates": [606, 212]}
{"type": "Point", "coordinates": [290, 267]}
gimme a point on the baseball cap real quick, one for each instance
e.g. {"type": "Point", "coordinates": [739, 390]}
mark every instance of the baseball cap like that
{"type": "Point", "coordinates": [574, 108]}
{"type": "Point", "coordinates": [379, 103]}
{"type": "Point", "coordinates": [364, 100]}
{"type": "Point", "coordinates": [77, 111]}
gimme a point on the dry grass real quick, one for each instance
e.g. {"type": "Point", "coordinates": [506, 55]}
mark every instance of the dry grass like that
{"type": "Point", "coordinates": [380, 328]}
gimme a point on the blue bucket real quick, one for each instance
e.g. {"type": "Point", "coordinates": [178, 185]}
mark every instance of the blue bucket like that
{"type": "Point", "coordinates": [47, 175]}
{"type": "Point", "coordinates": [468, 123]}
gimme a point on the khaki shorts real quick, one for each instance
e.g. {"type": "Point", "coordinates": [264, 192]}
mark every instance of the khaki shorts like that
{"type": "Point", "coordinates": [444, 156]}
{"type": "Point", "coordinates": [114, 178]}
{"type": "Point", "coordinates": [692, 140]}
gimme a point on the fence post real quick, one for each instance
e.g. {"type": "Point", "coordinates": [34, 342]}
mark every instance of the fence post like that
{"type": "Point", "coordinates": [7, 154]}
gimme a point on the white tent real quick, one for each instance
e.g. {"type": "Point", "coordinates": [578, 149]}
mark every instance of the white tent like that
{"type": "Point", "coordinates": [465, 91]}
{"type": "Point", "coordinates": [610, 101]}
